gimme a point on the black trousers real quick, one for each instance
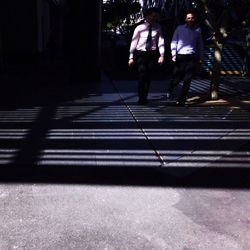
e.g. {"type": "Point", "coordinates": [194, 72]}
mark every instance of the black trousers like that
{"type": "Point", "coordinates": [146, 62]}
{"type": "Point", "coordinates": [184, 69]}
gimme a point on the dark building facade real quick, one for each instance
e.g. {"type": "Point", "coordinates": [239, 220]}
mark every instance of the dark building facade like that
{"type": "Point", "coordinates": [30, 28]}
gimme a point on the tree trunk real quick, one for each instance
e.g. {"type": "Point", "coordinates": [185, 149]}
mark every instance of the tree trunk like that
{"type": "Point", "coordinates": [217, 38]}
{"type": "Point", "coordinates": [214, 90]}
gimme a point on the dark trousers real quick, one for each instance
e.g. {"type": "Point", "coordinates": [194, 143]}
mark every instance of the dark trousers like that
{"type": "Point", "coordinates": [146, 62]}
{"type": "Point", "coordinates": [184, 69]}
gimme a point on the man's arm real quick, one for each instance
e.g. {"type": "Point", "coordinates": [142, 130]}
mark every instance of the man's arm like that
{"type": "Point", "coordinates": [173, 44]}
{"type": "Point", "coordinates": [161, 46]}
{"type": "Point", "coordinates": [134, 41]}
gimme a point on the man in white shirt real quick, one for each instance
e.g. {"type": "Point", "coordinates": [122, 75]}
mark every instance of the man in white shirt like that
{"type": "Point", "coordinates": [147, 48]}
{"type": "Point", "coordinates": [187, 51]}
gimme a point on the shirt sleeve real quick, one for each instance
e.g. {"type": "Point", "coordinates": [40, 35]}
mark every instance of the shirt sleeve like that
{"type": "Point", "coordinates": [161, 43]}
{"type": "Point", "coordinates": [174, 42]}
{"type": "Point", "coordinates": [134, 42]}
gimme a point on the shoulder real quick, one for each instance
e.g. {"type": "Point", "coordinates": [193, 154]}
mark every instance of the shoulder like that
{"type": "Point", "coordinates": [140, 27]}
{"type": "Point", "coordinates": [180, 27]}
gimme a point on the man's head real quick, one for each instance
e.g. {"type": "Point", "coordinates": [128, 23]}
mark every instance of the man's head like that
{"type": "Point", "coordinates": [151, 15]}
{"type": "Point", "coordinates": [190, 18]}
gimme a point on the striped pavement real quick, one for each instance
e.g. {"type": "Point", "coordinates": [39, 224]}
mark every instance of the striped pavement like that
{"type": "Point", "coordinates": [110, 129]}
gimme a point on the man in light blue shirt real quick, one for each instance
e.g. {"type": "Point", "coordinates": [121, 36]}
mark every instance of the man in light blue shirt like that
{"type": "Point", "coordinates": [187, 51]}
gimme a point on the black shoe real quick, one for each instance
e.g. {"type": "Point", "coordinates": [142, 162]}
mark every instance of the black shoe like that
{"type": "Point", "coordinates": [181, 103]}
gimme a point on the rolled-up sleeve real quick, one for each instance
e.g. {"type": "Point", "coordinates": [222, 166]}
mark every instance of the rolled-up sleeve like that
{"type": "Point", "coordinates": [174, 42]}
{"type": "Point", "coordinates": [161, 43]}
{"type": "Point", "coordinates": [134, 42]}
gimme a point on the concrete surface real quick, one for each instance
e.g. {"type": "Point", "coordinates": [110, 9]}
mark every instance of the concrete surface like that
{"type": "Point", "coordinates": [85, 167]}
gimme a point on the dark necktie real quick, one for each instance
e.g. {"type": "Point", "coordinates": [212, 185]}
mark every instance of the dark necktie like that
{"type": "Point", "coordinates": [149, 38]}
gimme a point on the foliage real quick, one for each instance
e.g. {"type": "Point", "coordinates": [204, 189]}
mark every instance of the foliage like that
{"type": "Point", "coordinates": [119, 15]}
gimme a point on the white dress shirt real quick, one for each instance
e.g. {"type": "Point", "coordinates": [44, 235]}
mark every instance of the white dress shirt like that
{"type": "Point", "coordinates": [140, 37]}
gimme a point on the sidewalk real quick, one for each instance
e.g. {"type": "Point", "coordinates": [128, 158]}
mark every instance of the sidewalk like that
{"type": "Point", "coordinates": [85, 167]}
{"type": "Point", "coordinates": [49, 122]}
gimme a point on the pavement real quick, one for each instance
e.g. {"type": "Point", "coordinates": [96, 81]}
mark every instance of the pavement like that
{"type": "Point", "coordinates": [84, 167]}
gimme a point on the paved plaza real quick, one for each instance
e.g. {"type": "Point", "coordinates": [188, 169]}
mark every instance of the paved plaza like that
{"type": "Point", "coordinates": [84, 167]}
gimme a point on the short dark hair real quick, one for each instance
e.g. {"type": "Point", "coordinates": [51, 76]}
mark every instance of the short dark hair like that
{"type": "Point", "coordinates": [149, 11]}
{"type": "Point", "coordinates": [193, 12]}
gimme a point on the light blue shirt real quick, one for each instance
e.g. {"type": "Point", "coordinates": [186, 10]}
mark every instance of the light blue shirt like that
{"type": "Point", "coordinates": [187, 40]}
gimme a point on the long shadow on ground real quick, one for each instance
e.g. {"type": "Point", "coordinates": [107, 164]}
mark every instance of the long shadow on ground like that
{"type": "Point", "coordinates": [230, 178]}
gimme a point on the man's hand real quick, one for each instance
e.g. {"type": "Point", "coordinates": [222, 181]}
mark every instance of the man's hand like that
{"type": "Point", "coordinates": [131, 62]}
{"type": "Point", "coordinates": [174, 58]}
{"type": "Point", "coordinates": [161, 60]}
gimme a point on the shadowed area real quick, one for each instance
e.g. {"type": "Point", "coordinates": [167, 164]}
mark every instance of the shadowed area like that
{"type": "Point", "coordinates": [56, 132]}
